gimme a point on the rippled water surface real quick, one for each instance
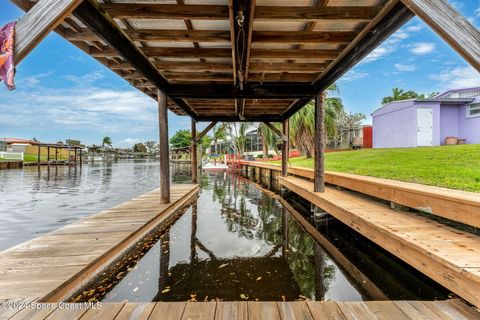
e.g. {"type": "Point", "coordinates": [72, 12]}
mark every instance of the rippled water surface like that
{"type": "Point", "coordinates": [35, 200]}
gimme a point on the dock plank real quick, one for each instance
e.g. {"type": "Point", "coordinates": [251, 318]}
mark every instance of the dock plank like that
{"type": "Point", "coordinates": [294, 311]}
{"type": "Point", "coordinates": [55, 260]}
{"type": "Point", "coordinates": [356, 310]}
{"type": "Point", "coordinates": [105, 311]}
{"type": "Point", "coordinates": [231, 310]}
{"type": "Point", "coordinates": [263, 310]}
{"type": "Point", "coordinates": [325, 310]}
{"type": "Point", "coordinates": [168, 311]}
{"type": "Point", "coordinates": [199, 311]}
{"type": "Point", "coordinates": [447, 255]}
{"type": "Point", "coordinates": [386, 310]}
{"type": "Point", "coordinates": [135, 311]}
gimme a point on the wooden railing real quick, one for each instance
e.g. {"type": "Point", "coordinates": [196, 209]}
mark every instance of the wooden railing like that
{"type": "Point", "coordinates": [456, 205]}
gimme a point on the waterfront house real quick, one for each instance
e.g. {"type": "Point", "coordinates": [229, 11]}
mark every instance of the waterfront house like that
{"type": "Point", "coordinates": [428, 122]}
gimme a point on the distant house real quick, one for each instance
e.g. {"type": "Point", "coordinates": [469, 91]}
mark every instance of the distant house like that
{"type": "Point", "coordinates": [427, 122]}
{"type": "Point", "coordinates": [15, 144]}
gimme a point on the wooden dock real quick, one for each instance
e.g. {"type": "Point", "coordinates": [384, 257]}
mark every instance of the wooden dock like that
{"type": "Point", "coordinates": [55, 265]}
{"type": "Point", "coordinates": [447, 255]}
{"type": "Point", "coordinates": [374, 310]}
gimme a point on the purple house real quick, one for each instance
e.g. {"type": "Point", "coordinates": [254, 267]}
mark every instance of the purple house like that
{"type": "Point", "coordinates": [427, 122]}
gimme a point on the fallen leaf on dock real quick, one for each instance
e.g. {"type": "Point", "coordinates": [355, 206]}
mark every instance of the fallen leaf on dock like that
{"type": "Point", "coordinates": [166, 290]}
{"type": "Point", "coordinates": [259, 278]}
{"type": "Point", "coordinates": [223, 265]}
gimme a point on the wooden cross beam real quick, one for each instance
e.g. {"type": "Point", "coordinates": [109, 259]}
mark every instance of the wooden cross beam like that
{"type": "Point", "coordinates": [205, 131]}
{"type": "Point", "coordinates": [45, 16]}
{"type": "Point", "coordinates": [279, 133]}
{"type": "Point", "coordinates": [455, 29]}
{"type": "Point", "coordinates": [283, 90]}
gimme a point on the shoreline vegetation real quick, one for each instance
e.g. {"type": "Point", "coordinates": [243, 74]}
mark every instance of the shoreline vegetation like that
{"type": "Point", "coordinates": [454, 167]}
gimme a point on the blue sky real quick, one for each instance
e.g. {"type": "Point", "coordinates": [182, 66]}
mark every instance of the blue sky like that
{"type": "Point", "coordinates": [63, 93]}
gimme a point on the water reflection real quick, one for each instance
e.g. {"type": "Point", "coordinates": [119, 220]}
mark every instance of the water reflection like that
{"type": "Point", "coordinates": [235, 243]}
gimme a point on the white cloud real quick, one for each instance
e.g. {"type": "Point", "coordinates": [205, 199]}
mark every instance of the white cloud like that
{"type": "Point", "coordinates": [353, 75]}
{"type": "Point", "coordinates": [393, 43]}
{"type": "Point", "coordinates": [86, 79]}
{"type": "Point", "coordinates": [84, 109]}
{"type": "Point", "coordinates": [33, 80]}
{"type": "Point", "coordinates": [458, 77]}
{"type": "Point", "coordinates": [422, 48]}
{"type": "Point", "coordinates": [128, 142]}
{"type": "Point", "coordinates": [404, 67]}
{"type": "Point", "coordinates": [477, 12]}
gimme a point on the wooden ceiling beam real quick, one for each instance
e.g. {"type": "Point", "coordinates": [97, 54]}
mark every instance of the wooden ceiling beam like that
{"type": "Point", "coordinates": [315, 13]}
{"type": "Point", "coordinates": [187, 52]}
{"type": "Point", "coordinates": [83, 35]}
{"type": "Point", "coordinates": [221, 12]}
{"type": "Point", "coordinates": [231, 118]}
{"type": "Point", "coordinates": [287, 67]}
{"type": "Point", "coordinates": [316, 54]}
{"type": "Point", "coordinates": [281, 90]}
{"type": "Point", "coordinates": [156, 35]}
{"type": "Point", "coordinates": [166, 11]}
{"type": "Point", "coordinates": [193, 66]}
{"type": "Point", "coordinates": [336, 37]}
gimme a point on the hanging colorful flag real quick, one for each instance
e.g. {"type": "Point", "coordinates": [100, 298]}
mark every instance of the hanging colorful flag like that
{"type": "Point", "coordinates": [7, 65]}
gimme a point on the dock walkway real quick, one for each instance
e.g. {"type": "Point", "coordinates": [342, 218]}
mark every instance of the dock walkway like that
{"type": "Point", "coordinates": [318, 310]}
{"type": "Point", "coordinates": [447, 255]}
{"type": "Point", "coordinates": [55, 264]}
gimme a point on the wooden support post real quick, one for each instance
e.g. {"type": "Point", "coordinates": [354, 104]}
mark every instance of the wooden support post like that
{"type": "Point", "coordinates": [38, 155]}
{"type": "Point", "coordinates": [75, 155]}
{"type": "Point", "coordinates": [81, 160]}
{"type": "Point", "coordinates": [194, 152]}
{"type": "Point", "coordinates": [163, 148]}
{"type": "Point", "coordinates": [56, 154]}
{"type": "Point", "coordinates": [205, 131]}
{"type": "Point", "coordinates": [319, 170]}
{"type": "Point", "coordinates": [48, 155]}
{"type": "Point", "coordinates": [455, 29]}
{"type": "Point", "coordinates": [285, 148]}
{"type": "Point", "coordinates": [45, 16]}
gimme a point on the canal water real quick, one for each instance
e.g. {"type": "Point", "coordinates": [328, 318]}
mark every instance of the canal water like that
{"type": "Point", "coordinates": [235, 242]}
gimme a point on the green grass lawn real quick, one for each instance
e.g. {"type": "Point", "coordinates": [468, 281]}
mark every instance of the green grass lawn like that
{"type": "Point", "coordinates": [455, 167]}
{"type": "Point", "coordinates": [34, 158]}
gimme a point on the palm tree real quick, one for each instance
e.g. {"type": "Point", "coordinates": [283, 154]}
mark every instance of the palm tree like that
{"type": "Point", "coordinates": [268, 138]}
{"type": "Point", "coordinates": [400, 94]}
{"type": "Point", "coordinates": [302, 123]}
{"type": "Point", "coordinates": [107, 141]}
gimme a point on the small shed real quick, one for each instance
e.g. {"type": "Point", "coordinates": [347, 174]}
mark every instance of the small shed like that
{"type": "Point", "coordinates": [427, 122]}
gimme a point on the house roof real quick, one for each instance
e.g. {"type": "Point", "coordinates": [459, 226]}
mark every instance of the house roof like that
{"type": "Point", "coordinates": [19, 141]}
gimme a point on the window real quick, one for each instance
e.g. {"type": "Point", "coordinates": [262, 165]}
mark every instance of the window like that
{"type": "Point", "coordinates": [473, 110]}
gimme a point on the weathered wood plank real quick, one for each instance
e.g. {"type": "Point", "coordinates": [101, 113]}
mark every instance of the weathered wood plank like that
{"type": "Point", "coordinates": [106, 311]}
{"type": "Point", "coordinates": [135, 311]}
{"type": "Point", "coordinates": [315, 13]}
{"type": "Point", "coordinates": [325, 310]}
{"type": "Point", "coordinates": [156, 35]}
{"type": "Point", "coordinates": [231, 310]}
{"type": "Point", "coordinates": [38, 22]}
{"type": "Point", "coordinates": [263, 310]}
{"type": "Point", "coordinates": [386, 310]}
{"type": "Point", "coordinates": [455, 29]}
{"type": "Point", "coordinates": [168, 311]}
{"type": "Point", "coordinates": [193, 132]}
{"type": "Point", "coordinates": [337, 37]}
{"type": "Point", "coordinates": [294, 311]}
{"type": "Point", "coordinates": [199, 310]}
